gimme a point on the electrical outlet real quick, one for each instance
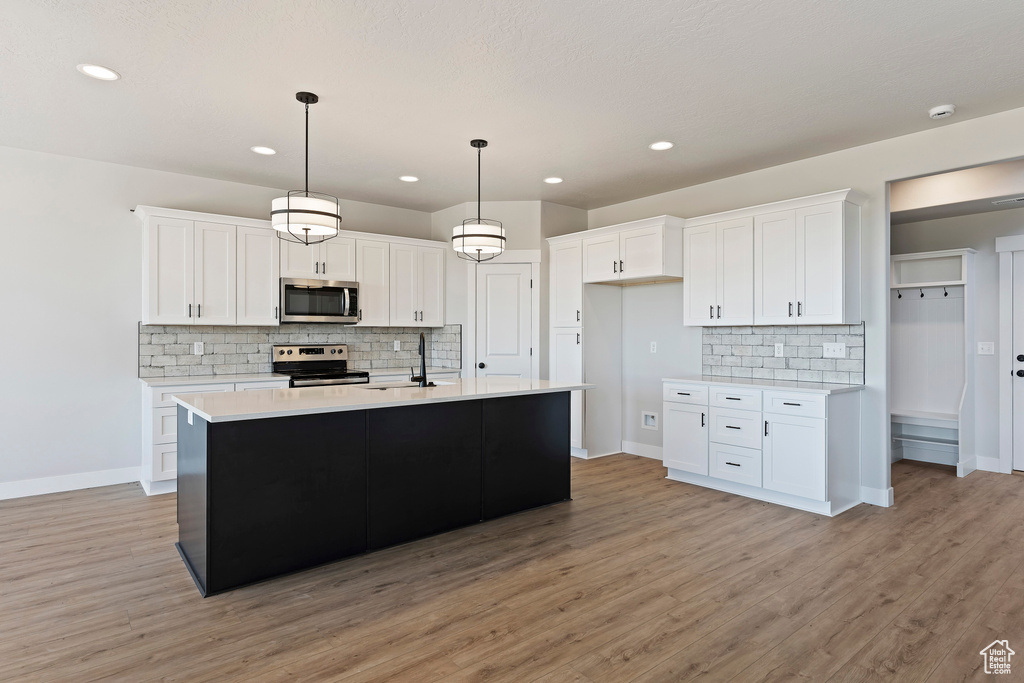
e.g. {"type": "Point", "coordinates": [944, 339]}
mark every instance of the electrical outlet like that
{"type": "Point", "coordinates": [778, 351]}
{"type": "Point", "coordinates": [837, 350]}
{"type": "Point", "coordinates": [986, 348]}
{"type": "Point", "coordinates": [649, 420]}
{"type": "Point", "coordinates": [198, 349]}
{"type": "Point", "coordinates": [654, 347]}
{"type": "Point", "coordinates": [398, 345]}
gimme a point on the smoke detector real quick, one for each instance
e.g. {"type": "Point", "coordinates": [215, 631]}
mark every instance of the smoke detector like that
{"type": "Point", "coordinates": [943, 111]}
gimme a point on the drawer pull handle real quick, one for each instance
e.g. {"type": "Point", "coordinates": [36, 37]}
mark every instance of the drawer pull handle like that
{"type": "Point", "coordinates": [791, 404]}
{"type": "Point", "coordinates": [702, 419]}
{"type": "Point", "coordinates": [683, 393]}
{"type": "Point", "coordinates": [766, 427]}
{"type": "Point", "coordinates": [734, 464]}
{"type": "Point", "coordinates": [731, 427]}
{"type": "Point", "coordinates": [733, 398]}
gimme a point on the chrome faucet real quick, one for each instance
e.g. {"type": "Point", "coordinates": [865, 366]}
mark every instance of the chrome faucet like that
{"type": "Point", "coordinates": [422, 378]}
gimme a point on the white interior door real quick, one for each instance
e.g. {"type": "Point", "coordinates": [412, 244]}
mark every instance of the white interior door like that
{"type": "Point", "coordinates": [504, 317]}
{"type": "Point", "coordinates": [1018, 364]}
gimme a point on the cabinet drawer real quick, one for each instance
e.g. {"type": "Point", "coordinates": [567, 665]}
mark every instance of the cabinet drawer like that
{"type": "Point", "coordinates": [741, 465]}
{"type": "Point", "coordinates": [165, 425]}
{"type": "Point", "coordinates": [165, 461]}
{"type": "Point", "coordinates": [735, 427]}
{"type": "Point", "coordinates": [163, 396]}
{"type": "Point", "coordinates": [741, 399]}
{"type": "Point", "coordinates": [794, 403]}
{"type": "Point", "coordinates": [696, 394]}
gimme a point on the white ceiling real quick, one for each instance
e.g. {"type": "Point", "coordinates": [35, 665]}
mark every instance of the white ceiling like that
{"type": "Point", "coordinates": [576, 88]}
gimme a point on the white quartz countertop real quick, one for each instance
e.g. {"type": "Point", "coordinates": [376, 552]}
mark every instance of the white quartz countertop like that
{"type": "Point", "coordinates": [270, 376]}
{"type": "Point", "coordinates": [809, 387]}
{"type": "Point", "coordinates": [212, 379]}
{"type": "Point", "coordinates": [264, 403]}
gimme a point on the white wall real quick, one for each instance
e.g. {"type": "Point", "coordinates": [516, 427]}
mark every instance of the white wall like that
{"type": "Point", "coordinates": [653, 313]}
{"type": "Point", "coordinates": [70, 274]}
{"type": "Point", "coordinates": [868, 169]}
{"type": "Point", "coordinates": [978, 231]}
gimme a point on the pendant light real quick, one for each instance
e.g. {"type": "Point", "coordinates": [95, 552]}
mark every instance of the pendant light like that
{"type": "Point", "coordinates": [302, 216]}
{"type": "Point", "coordinates": [478, 239]}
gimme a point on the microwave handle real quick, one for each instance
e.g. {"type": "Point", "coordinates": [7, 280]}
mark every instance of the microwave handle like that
{"type": "Point", "coordinates": [345, 301]}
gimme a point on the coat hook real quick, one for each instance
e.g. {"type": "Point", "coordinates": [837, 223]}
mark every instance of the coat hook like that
{"type": "Point", "coordinates": [922, 293]}
{"type": "Point", "coordinates": [944, 292]}
{"type": "Point", "coordinates": [899, 294]}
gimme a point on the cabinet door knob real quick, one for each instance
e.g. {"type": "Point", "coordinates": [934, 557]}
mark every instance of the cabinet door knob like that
{"type": "Point", "coordinates": [711, 311]}
{"type": "Point", "coordinates": [316, 268]}
{"type": "Point", "coordinates": [799, 308]}
{"type": "Point", "coordinates": [766, 427]}
{"type": "Point", "coordinates": [577, 339]}
{"type": "Point", "coordinates": [578, 319]}
{"type": "Point", "coordinates": [719, 311]}
{"type": "Point", "coordinates": [622, 268]}
{"type": "Point", "coordinates": [1020, 358]}
{"type": "Point", "coordinates": [360, 314]}
{"type": "Point", "coordinates": [615, 266]}
{"type": "Point", "coordinates": [481, 365]}
{"type": "Point", "coordinates": [702, 419]}
{"type": "Point", "coordinates": [1020, 373]}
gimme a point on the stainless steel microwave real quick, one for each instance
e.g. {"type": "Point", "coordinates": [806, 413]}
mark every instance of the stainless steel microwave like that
{"type": "Point", "coordinates": [319, 301]}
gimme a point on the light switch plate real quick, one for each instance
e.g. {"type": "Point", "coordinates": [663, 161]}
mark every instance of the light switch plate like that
{"type": "Point", "coordinates": [198, 349]}
{"type": "Point", "coordinates": [398, 345]}
{"type": "Point", "coordinates": [834, 350]}
{"type": "Point", "coordinates": [654, 347]}
{"type": "Point", "coordinates": [986, 348]}
{"type": "Point", "coordinates": [778, 351]}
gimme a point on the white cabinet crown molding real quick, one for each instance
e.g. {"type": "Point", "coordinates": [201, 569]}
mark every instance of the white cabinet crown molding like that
{"type": "Point", "coordinates": [654, 221]}
{"type": "Point", "coordinates": [847, 195]}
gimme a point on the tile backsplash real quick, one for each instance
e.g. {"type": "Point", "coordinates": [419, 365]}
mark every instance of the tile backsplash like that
{"type": "Point", "coordinates": [166, 350]}
{"type": "Point", "coordinates": [750, 352]}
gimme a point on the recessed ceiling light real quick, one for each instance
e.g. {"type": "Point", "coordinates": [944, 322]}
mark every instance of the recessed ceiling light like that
{"type": "Point", "coordinates": [552, 180]}
{"type": "Point", "coordinates": [408, 178]}
{"type": "Point", "coordinates": [943, 111]}
{"type": "Point", "coordinates": [99, 72]}
{"type": "Point", "coordinates": [260, 149]}
{"type": "Point", "coordinates": [661, 146]}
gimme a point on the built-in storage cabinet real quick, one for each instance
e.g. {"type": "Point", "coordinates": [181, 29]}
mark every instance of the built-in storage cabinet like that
{"type": "Point", "coordinates": [567, 366]}
{"type": "Point", "coordinates": [417, 286]}
{"type": "Point", "coordinates": [718, 279]}
{"type": "Point", "coordinates": [795, 262]}
{"type": "Point", "coordinates": [566, 278]}
{"type": "Point", "coordinates": [334, 259]}
{"type": "Point", "coordinates": [258, 277]}
{"type": "Point", "coordinates": [204, 269]}
{"type": "Point", "coordinates": [642, 251]}
{"type": "Point", "coordinates": [790, 446]}
{"type": "Point", "coordinates": [373, 273]}
{"type": "Point", "coordinates": [160, 426]}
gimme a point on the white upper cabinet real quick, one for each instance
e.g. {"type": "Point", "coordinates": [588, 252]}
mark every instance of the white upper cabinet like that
{"type": "Point", "coordinates": [601, 258]}
{"type": "Point", "coordinates": [417, 286]}
{"type": "Point", "coordinates": [169, 282]}
{"type": "Point", "coordinates": [334, 259]}
{"type": "Point", "coordinates": [807, 266]}
{"type": "Point", "coordinates": [718, 278]}
{"type": "Point", "coordinates": [373, 268]}
{"type": "Point", "coordinates": [215, 259]}
{"type": "Point", "coordinates": [258, 276]}
{"type": "Point", "coordinates": [649, 250]}
{"type": "Point", "coordinates": [775, 269]}
{"type": "Point", "coordinates": [300, 260]}
{"type": "Point", "coordinates": [566, 277]}
{"type": "Point", "coordinates": [338, 259]}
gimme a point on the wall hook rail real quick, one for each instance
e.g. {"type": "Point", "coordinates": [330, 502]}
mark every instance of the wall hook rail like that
{"type": "Point", "coordinates": [922, 293]}
{"type": "Point", "coordinates": [899, 294]}
{"type": "Point", "coordinates": [944, 292]}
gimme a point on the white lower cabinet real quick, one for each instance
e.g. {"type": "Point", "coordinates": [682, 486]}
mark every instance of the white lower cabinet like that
{"type": "Point", "coordinates": [794, 456]}
{"type": "Point", "coordinates": [160, 427]}
{"type": "Point", "coordinates": [686, 437]}
{"type": "Point", "coordinates": [789, 446]}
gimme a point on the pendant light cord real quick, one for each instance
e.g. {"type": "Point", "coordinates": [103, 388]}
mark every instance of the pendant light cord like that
{"type": "Point", "coordinates": [479, 213]}
{"type": "Point", "coordinates": [307, 149]}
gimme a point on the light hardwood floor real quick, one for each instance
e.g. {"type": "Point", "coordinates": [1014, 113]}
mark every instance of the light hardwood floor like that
{"type": "Point", "coordinates": [638, 578]}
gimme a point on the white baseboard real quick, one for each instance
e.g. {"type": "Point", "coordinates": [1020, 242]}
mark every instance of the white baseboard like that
{"type": "Point", "coordinates": [157, 488]}
{"type": "Point", "coordinates": [966, 466]}
{"type": "Point", "coordinates": [881, 497]}
{"type": "Point", "coordinates": [989, 464]}
{"type": "Point", "coordinates": [642, 449]}
{"type": "Point", "coordinates": [67, 482]}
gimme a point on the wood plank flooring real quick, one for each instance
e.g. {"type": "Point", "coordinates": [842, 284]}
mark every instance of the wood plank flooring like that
{"type": "Point", "coordinates": [637, 579]}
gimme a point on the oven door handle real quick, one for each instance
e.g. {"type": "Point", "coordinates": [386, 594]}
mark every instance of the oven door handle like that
{"type": "Point", "coordinates": [329, 382]}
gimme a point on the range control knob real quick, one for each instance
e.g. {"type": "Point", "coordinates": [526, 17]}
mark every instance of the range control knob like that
{"type": "Point", "coordinates": [281, 352]}
{"type": "Point", "coordinates": [1020, 357]}
{"type": "Point", "coordinates": [289, 352]}
{"type": "Point", "coordinates": [333, 351]}
{"type": "Point", "coordinates": [1020, 373]}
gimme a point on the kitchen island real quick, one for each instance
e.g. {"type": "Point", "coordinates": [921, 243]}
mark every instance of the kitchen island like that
{"type": "Point", "coordinates": [279, 480]}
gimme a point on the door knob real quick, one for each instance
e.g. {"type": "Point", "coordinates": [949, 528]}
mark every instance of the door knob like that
{"type": "Point", "coordinates": [481, 365]}
{"type": "Point", "coordinates": [1020, 373]}
{"type": "Point", "coordinates": [1020, 357]}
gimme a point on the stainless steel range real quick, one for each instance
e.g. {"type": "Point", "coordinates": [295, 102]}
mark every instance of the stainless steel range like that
{"type": "Point", "coordinates": [317, 365]}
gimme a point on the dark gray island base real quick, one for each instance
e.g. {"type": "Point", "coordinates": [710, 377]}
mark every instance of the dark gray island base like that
{"type": "Point", "coordinates": [259, 498]}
